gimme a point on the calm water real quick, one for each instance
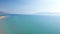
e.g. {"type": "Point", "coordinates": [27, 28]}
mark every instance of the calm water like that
{"type": "Point", "coordinates": [32, 24]}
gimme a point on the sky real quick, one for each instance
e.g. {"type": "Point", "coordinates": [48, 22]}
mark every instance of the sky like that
{"type": "Point", "coordinates": [29, 6]}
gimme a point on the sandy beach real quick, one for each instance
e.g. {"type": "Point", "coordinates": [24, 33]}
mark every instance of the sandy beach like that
{"type": "Point", "coordinates": [1, 28]}
{"type": "Point", "coordinates": [1, 24]}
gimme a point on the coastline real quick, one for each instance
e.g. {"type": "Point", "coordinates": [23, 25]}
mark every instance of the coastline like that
{"type": "Point", "coordinates": [1, 28]}
{"type": "Point", "coordinates": [1, 24]}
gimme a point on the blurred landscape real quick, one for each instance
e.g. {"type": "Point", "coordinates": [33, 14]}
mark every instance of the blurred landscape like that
{"type": "Point", "coordinates": [30, 16]}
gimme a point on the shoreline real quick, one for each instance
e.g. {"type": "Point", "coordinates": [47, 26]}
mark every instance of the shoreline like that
{"type": "Point", "coordinates": [1, 24]}
{"type": "Point", "coordinates": [1, 28]}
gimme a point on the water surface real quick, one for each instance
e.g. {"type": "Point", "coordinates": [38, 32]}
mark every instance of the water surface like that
{"type": "Point", "coordinates": [32, 24]}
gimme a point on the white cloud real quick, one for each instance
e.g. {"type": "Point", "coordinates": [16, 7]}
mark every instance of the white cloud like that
{"type": "Point", "coordinates": [54, 7]}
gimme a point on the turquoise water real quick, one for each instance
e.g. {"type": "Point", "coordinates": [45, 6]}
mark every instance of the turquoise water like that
{"type": "Point", "coordinates": [32, 24]}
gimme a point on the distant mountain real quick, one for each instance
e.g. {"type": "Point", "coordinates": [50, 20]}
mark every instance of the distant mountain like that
{"type": "Point", "coordinates": [42, 13]}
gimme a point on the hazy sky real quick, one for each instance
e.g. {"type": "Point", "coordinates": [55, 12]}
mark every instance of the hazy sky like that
{"type": "Point", "coordinates": [29, 6]}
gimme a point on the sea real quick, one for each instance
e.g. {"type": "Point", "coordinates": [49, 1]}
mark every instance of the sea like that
{"type": "Point", "coordinates": [31, 24]}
